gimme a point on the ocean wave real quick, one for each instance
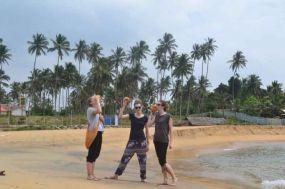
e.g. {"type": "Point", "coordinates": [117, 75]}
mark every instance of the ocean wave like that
{"type": "Point", "coordinates": [275, 184]}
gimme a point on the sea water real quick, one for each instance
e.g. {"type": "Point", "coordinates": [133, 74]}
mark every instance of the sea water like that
{"type": "Point", "coordinates": [259, 164]}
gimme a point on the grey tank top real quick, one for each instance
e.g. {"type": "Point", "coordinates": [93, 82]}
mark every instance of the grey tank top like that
{"type": "Point", "coordinates": [161, 128]}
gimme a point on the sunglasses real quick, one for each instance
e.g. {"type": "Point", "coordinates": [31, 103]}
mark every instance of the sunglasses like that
{"type": "Point", "coordinates": [158, 104]}
{"type": "Point", "coordinates": [138, 107]}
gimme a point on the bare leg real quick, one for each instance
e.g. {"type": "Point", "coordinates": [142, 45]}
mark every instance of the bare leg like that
{"type": "Point", "coordinates": [165, 177]}
{"type": "Point", "coordinates": [171, 172]}
{"type": "Point", "coordinates": [90, 172]}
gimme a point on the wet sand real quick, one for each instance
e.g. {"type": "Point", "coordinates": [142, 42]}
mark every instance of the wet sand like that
{"type": "Point", "coordinates": [56, 159]}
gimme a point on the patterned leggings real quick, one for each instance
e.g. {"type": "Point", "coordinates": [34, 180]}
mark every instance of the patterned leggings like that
{"type": "Point", "coordinates": [138, 147]}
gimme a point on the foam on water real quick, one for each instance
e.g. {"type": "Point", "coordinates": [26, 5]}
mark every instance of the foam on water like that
{"type": "Point", "coordinates": [275, 184]}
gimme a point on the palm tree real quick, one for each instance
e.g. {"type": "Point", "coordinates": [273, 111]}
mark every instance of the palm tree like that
{"type": "Point", "coordinates": [275, 88]}
{"type": "Point", "coordinates": [201, 90]}
{"type": "Point", "coordinates": [62, 46]}
{"type": "Point", "coordinates": [5, 56]}
{"type": "Point", "coordinates": [253, 85]}
{"type": "Point", "coordinates": [157, 60]}
{"type": "Point", "coordinates": [81, 51]}
{"type": "Point", "coordinates": [142, 51]}
{"type": "Point", "coordinates": [15, 90]}
{"type": "Point", "coordinates": [70, 75]}
{"type": "Point", "coordinates": [148, 91]}
{"type": "Point", "coordinates": [195, 54]}
{"type": "Point", "coordinates": [118, 58]}
{"type": "Point", "coordinates": [184, 68]}
{"type": "Point", "coordinates": [3, 79]}
{"type": "Point", "coordinates": [165, 85]}
{"type": "Point", "coordinates": [94, 53]}
{"type": "Point", "coordinates": [38, 46]}
{"type": "Point", "coordinates": [167, 46]}
{"type": "Point", "coordinates": [100, 76]}
{"type": "Point", "coordinates": [210, 50]}
{"type": "Point", "coordinates": [167, 43]}
{"type": "Point", "coordinates": [238, 61]}
{"type": "Point", "coordinates": [191, 83]}
{"type": "Point", "coordinates": [138, 53]}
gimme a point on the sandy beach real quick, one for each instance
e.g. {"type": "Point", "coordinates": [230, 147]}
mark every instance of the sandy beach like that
{"type": "Point", "coordinates": [56, 159]}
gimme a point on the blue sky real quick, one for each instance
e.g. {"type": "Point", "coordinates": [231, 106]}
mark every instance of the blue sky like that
{"type": "Point", "coordinates": [255, 27]}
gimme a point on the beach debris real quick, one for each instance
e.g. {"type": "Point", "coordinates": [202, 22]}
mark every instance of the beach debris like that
{"type": "Point", "coordinates": [2, 173]}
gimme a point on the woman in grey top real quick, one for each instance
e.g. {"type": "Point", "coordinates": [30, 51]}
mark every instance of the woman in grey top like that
{"type": "Point", "coordinates": [163, 139]}
{"type": "Point", "coordinates": [95, 119]}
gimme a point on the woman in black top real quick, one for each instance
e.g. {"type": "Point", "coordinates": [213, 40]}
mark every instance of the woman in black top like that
{"type": "Point", "coordinates": [163, 139]}
{"type": "Point", "coordinates": [138, 143]}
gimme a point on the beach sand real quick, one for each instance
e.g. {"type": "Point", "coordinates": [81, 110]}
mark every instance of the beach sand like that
{"type": "Point", "coordinates": [56, 159]}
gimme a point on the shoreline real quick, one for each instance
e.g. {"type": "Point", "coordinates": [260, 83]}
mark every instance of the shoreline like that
{"type": "Point", "coordinates": [44, 159]}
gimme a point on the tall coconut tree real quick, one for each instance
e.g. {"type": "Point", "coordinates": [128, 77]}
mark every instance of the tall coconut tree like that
{"type": "Point", "coordinates": [183, 69]}
{"type": "Point", "coordinates": [38, 46]}
{"type": "Point", "coordinates": [236, 63]}
{"type": "Point", "coordinates": [94, 53]}
{"type": "Point", "coordinates": [167, 43]}
{"type": "Point", "coordinates": [157, 60]}
{"type": "Point", "coordinates": [195, 54]}
{"type": "Point", "coordinates": [142, 51]}
{"type": "Point", "coordinates": [81, 50]}
{"type": "Point", "coordinates": [211, 47]}
{"type": "Point", "coordinates": [138, 53]}
{"type": "Point", "coordinates": [147, 92]}
{"type": "Point", "coordinates": [62, 46]}
{"type": "Point", "coordinates": [118, 59]}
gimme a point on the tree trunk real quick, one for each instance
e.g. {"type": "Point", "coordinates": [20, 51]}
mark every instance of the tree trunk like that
{"type": "Point", "coordinates": [181, 99]}
{"type": "Point", "coordinates": [202, 68]}
{"type": "Point", "coordinates": [33, 80]}
{"type": "Point", "coordinates": [207, 69]}
{"type": "Point", "coordinates": [188, 103]}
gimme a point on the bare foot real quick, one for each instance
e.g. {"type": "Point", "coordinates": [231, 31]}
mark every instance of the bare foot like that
{"type": "Point", "coordinates": [143, 180]}
{"type": "Point", "coordinates": [92, 177]}
{"type": "Point", "coordinates": [174, 182]}
{"type": "Point", "coordinates": [114, 177]}
{"type": "Point", "coordinates": [164, 183]}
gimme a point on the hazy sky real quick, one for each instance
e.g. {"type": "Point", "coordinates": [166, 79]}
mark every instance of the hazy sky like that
{"type": "Point", "coordinates": [255, 27]}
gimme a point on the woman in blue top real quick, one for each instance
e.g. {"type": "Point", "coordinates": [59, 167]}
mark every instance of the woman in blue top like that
{"type": "Point", "coordinates": [138, 141]}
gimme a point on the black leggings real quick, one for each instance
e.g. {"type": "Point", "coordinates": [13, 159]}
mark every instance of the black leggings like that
{"type": "Point", "coordinates": [95, 148]}
{"type": "Point", "coordinates": [161, 151]}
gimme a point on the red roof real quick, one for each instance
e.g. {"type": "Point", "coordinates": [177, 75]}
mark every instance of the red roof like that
{"type": "Point", "coordinates": [3, 109]}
